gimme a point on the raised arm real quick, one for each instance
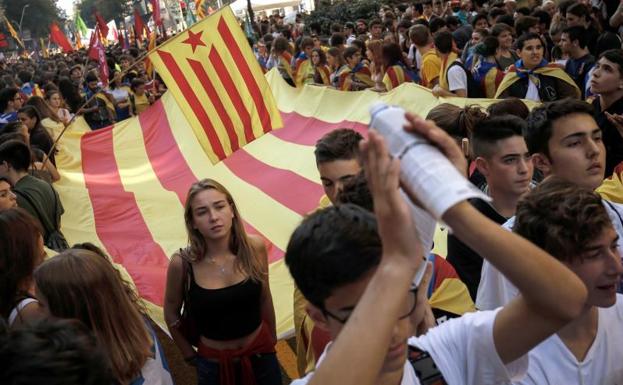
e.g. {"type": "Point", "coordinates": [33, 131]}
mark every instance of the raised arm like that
{"type": "Point", "coordinates": [551, 294]}
{"type": "Point", "coordinates": [379, 307]}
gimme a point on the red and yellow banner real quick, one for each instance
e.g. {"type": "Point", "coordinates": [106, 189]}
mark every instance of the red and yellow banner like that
{"type": "Point", "coordinates": [217, 82]}
{"type": "Point", "coordinates": [124, 187]}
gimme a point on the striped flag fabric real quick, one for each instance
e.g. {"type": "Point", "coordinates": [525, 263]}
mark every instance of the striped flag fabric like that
{"type": "Point", "coordinates": [13, 33]}
{"type": "Point", "coordinates": [214, 76]}
{"type": "Point", "coordinates": [124, 187]}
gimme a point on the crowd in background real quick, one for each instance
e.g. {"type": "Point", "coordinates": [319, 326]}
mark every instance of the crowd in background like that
{"type": "Point", "coordinates": [71, 318]}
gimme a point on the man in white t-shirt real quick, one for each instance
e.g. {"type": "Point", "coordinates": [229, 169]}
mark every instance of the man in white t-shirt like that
{"type": "Point", "coordinates": [572, 224]}
{"type": "Point", "coordinates": [452, 75]}
{"type": "Point", "coordinates": [364, 291]}
{"type": "Point", "coordinates": [566, 142]}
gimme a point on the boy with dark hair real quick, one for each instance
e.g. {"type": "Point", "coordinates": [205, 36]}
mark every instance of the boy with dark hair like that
{"type": "Point", "coordinates": [579, 15]}
{"type": "Point", "coordinates": [337, 159]}
{"type": "Point", "coordinates": [428, 63]}
{"type": "Point", "coordinates": [452, 75]}
{"type": "Point", "coordinates": [54, 352]}
{"type": "Point", "coordinates": [573, 43]}
{"type": "Point", "coordinates": [526, 24]}
{"type": "Point", "coordinates": [533, 78]}
{"type": "Point", "coordinates": [303, 70]}
{"type": "Point", "coordinates": [376, 29]}
{"type": "Point", "coordinates": [501, 156]}
{"type": "Point", "coordinates": [357, 273]}
{"type": "Point", "coordinates": [10, 102]}
{"type": "Point", "coordinates": [359, 77]}
{"type": "Point", "coordinates": [566, 142]}
{"type": "Point", "coordinates": [572, 224]}
{"type": "Point", "coordinates": [34, 195]}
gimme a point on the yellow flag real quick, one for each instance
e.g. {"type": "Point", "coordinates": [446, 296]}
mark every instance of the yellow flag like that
{"type": "Point", "coordinates": [200, 9]}
{"type": "Point", "coordinates": [149, 67]}
{"type": "Point", "coordinates": [78, 40]}
{"type": "Point", "coordinates": [13, 33]}
{"type": "Point", "coordinates": [44, 49]}
{"type": "Point", "coordinates": [214, 76]}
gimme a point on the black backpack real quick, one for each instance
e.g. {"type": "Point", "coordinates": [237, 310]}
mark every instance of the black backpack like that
{"type": "Point", "coordinates": [425, 368]}
{"type": "Point", "coordinates": [474, 89]}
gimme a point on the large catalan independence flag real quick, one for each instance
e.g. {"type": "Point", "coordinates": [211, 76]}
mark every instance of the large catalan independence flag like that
{"type": "Point", "coordinates": [219, 85]}
{"type": "Point", "coordinates": [124, 187]}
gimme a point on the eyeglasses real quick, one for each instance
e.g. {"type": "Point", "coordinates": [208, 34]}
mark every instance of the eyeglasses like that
{"type": "Point", "coordinates": [409, 308]}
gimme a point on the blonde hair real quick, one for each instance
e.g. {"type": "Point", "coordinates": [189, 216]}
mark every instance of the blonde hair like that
{"type": "Point", "coordinates": [239, 244]}
{"type": "Point", "coordinates": [82, 285]}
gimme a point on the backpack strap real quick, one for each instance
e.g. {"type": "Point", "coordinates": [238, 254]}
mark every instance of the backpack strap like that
{"type": "Point", "coordinates": [425, 368]}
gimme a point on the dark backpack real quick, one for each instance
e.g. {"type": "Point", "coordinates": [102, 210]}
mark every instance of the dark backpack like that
{"type": "Point", "coordinates": [474, 89]}
{"type": "Point", "coordinates": [425, 368]}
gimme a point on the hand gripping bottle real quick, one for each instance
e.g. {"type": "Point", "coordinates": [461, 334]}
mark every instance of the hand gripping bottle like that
{"type": "Point", "coordinates": [428, 173]}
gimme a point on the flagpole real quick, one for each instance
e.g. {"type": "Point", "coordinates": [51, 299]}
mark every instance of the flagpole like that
{"type": "Point", "coordinates": [134, 64]}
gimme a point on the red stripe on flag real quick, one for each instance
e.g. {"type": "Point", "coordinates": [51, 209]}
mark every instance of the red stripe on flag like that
{"type": "Point", "coordinates": [246, 73]}
{"type": "Point", "coordinates": [194, 102]}
{"type": "Point", "coordinates": [118, 221]}
{"type": "Point", "coordinates": [304, 130]}
{"type": "Point", "coordinates": [286, 187]}
{"type": "Point", "coordinates": [393, 77]}
{"type": "Point", "coordinates": [232, 91]}
{"type": "Point", "coordinates": [170, 166]}
{"type": "Point", "coordinates": [218, 104]}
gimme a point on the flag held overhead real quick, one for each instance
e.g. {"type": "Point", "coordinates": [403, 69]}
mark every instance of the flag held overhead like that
{"type": "Point", "coordinates": [213, 74]}
{"type": "Point", "coordinates": [58, 37]}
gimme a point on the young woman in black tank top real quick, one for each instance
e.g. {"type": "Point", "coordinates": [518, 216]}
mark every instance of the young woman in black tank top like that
{"type": "Point", "coordinates": [222, 279]}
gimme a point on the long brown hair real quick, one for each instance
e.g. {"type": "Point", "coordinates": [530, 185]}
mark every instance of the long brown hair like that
{"type": "Point", "coordinates": [43, 107]}
{"type": "Point", "coordinates": [246, 259]}
{"type": "Point", "coordinates": [19, 254]}
{"type": "Point", "coordinates": [376, 47]}
{"type": "Point", "coordinates": [81, 284]}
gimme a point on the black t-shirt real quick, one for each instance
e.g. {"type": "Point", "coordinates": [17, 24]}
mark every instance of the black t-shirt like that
{"type": "Point", "coordinates": [613, 140]}
{"type": "Point", "coordinates": [466, 261]}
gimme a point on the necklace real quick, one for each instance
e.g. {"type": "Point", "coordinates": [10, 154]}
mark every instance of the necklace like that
{"type": "Point", "coordinates": [220, 267]}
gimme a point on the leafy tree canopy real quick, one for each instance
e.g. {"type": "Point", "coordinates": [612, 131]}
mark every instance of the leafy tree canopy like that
{"type": "Point", "coordinates": [37, 16]}
{"type": "Point", "coordinates": [109, 9]}
{"type": "Point", "coordinates": [340, 12]}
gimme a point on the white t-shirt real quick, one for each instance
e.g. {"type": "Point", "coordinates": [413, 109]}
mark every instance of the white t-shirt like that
{"type": "Point", "coordinates": [552, 363]}
{"type": "Point", "coordinates": [533, 92]}
{"type": "Point", "coordinates": [495, 290]}
{"type": "Point", "coordinates": [457, 78]}
{"type": "Point", "coordinates": [464, 352]}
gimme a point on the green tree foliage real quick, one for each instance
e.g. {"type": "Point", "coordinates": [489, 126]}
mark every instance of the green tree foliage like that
{"type": "Point", "coordinates": [37, 16]}
{"type": "Point", "coordinates": [341, 12]}
{"type": "Point", "coordinates": [109, 9]}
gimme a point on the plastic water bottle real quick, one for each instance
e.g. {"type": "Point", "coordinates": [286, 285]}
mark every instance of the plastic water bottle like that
{"type": "Point", "coordinates": [428, 173]}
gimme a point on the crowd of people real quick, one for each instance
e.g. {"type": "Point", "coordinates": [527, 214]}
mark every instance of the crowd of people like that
{"type": "Point", "coordinates": [527, 293]}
